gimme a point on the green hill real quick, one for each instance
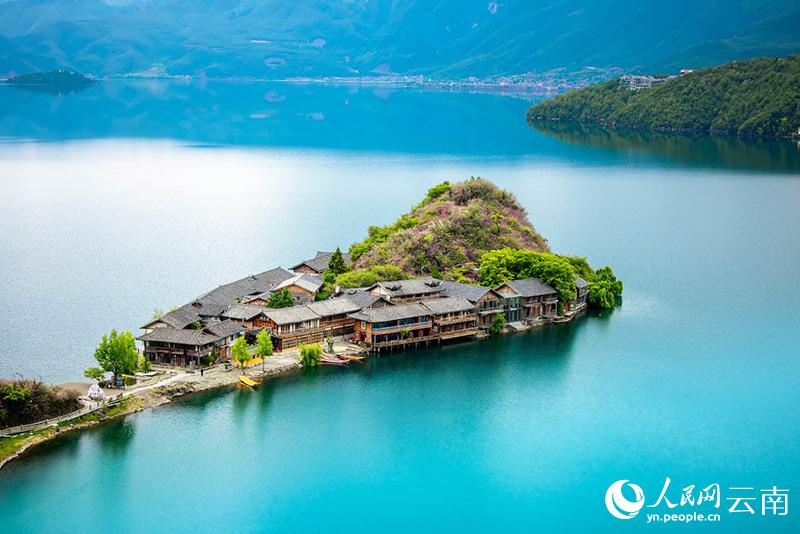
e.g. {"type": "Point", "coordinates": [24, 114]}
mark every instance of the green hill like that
{"type": "Point", "coordinates": [755, 98]}
{"type": "Point", "coordinates": [448, 232]}
{"type": "Point", "coordinates": [55, 77]}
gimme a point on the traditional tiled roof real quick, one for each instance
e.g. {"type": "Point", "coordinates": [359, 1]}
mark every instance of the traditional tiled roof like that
{"type": "Point", "coordinates": [306, 281]}
{"type": "Point", "coordinates": [531, 287]}
{"type": "Point", "coordinates": [391, 313]}
{"type": "Point", "coordinates": [415, 286]}
{"type": "Point", "coordinates": [215, 302]}
{"type": "Point", "coordinates": [361, 296]}
{"type": "Point", "coordinates": [448, 305]}
{"type": "Point", "coordinates": [320, 262]}
{"type": "Point", "coordinates": [470, 292]}
{"type": "Point", "coordinates": [328, 308]}
{"type": "Point", "coordinates": [243, 312]}
{"type": "Point", "coordinates": [222, 329]}
{"type": "Point", "coordinates": [580, 283]}
{"type": "Point", "coordinates": [182, 336]}
{"type": "Point", "coordinates": [291, 315]}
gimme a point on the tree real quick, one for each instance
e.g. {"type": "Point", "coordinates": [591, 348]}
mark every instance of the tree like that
{"type": "Point", "coordinates": [158, 313]}
{"type": "Point", "coordinates": [264, 346]}
{"type": "Point", "coordinates": [605, 290]}
{"type": "Point", "coordinates": [239, 351]}
{"type": "Point", "coordinates": [497, 325]}
{"type": "Point", "coordinates": [144, 364]}
{"type": "Point", "coordinates": [95, 373]}
{"type": "Point", "coordinates": [336, 263]}
{"type": "Point", "coordinates": [117, 354]}
{"type": "Point", "coordinates": [280, 299]}
{"type": "Point", "coordinates": [310, 355]}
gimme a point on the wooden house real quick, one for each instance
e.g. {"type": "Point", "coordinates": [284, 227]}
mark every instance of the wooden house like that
{"type": "Point", "coordinates": [334, 316]}
{"type": "Point", "coordinates": [187, 346]}
{"type": "Point", "coordinates": [453, 317]}
{"type": "Point", "coordinates": [394, 326]}
{"type": "Point", "coordinates": [536, 302]}
{"type": "Point", "coordinates": [293, 326]}
{"type": "Point", "coordinates": [488, 302]}
{"type": "Point", "coordinates": [408, 291]}
{"type": "Point", "coordinates": [318, 264]}
{"type": "Point", "coordinates": [581, 296]}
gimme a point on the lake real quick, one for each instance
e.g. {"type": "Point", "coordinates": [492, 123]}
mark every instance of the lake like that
{"type": "Point", "coordinates": [131, 196]}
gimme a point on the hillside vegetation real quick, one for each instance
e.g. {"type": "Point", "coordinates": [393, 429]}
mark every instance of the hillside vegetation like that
{"type": "Point", "coordinates": [444, 39]}
{"type": "Point", "coordinates": [447, 233]}
{"type": "Point", "coordinates": [756, 98]}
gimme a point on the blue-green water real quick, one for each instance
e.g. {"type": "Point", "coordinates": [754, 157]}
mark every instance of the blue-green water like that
{"type": "Point", "coordinates": [149, 201]}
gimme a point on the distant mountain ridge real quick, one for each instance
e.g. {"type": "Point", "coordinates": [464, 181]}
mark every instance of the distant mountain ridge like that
{"type": "Point", "coordinates": [445, 39]}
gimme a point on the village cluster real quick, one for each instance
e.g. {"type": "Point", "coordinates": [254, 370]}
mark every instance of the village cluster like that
{"type": "Point", "coordinates": [385, 315]}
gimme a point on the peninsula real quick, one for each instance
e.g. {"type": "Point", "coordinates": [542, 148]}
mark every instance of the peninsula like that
{"type": "Point", "coordinates": [463, 264]}
{"type": "Point", "coordinates": [55, 78]}
{"type": "Point", "coordinates": [755, 98]}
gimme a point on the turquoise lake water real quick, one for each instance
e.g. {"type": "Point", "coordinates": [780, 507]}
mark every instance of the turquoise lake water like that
{"type": "Point", "coordinates": [131, 196]}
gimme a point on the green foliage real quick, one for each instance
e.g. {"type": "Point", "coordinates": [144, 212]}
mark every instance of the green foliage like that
{"type": "Point", "coordinates": [280, 299]}
{"type": "Point", "coordinates": [264, 344]}
{"type": "Point", "coordinates": [158, 313]}
{"type": "Point", "coordinates": [239, 352]}
{"type": "Point", "coordinates": [95, 373]}
{"type": "Point", "coordinates": [117, 354]}
{"type": "Point", "coordinates": [605, 290]}
{"type": "Point", "coordinates": [197, 325]}
{"type": "Point", "coordinates": [336, 263]}
{"type": "Point", "coordinates": [506, 264]}
{"type": "Point", "coordinates": [144, 364]}
{"type": "Point", "coordinates": [367, 277]}
{"type": "Point", "coordinates": [581, 267]}
{"type": "Point", "coordinates": [445, 234]}
{"type": "Point", "coordinates": [310, 355]}
{"type": "Point", "coordinates": [497, 325]}
{"type": "Point", "coordinates": [15, 392]}
{"type": "Point", "coordinates": [755, 98]}
{"type": "Point", "coordinates": [437, 190]}
{"type": "Point", "coordinates": [28, 401]}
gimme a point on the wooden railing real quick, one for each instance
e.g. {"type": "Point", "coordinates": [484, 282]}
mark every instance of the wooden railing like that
{"type": "Point", "coordinates": [53, 421]}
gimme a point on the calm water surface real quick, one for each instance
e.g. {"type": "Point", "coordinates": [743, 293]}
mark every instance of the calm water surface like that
{"type": "Point", "coordinates": [127, 197]}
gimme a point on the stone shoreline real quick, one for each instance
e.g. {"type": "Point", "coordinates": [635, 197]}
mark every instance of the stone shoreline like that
{"type": "Point", "coordinates": [163, 392]}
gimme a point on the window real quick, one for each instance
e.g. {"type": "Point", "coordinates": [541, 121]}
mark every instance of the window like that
{"type": "Point", "coordinates": [363, 324]}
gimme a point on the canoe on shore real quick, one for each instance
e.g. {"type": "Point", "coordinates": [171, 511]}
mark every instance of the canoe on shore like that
{"type": "Point", "coordinates": [330, 360]}
{"type": "Point", "coordinates": [353, 357]}
{"type": "Point", "coordinates": [247, 382]}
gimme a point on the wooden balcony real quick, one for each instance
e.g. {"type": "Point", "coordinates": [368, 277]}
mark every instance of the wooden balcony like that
{"type": "Point", "coordinates": [399, 327]}
{"type": "Point", "coordinates": [464, 332]}
{"type": "Point", "coordinates": [456, 319]}
{"type": "Point", "coordinates": [405, 341]}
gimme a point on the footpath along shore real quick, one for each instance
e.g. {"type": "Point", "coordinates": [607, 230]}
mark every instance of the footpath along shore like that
{"type": "Point", "coordinates": [176, 384]}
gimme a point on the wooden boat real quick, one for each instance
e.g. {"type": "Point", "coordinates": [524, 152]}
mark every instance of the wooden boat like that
{"type": "Point", "coordinates": [353, 357]}
{"type": "Point", "coordinates": [247, 382]}
{"type": "Point", "coordinates": [330, 360]}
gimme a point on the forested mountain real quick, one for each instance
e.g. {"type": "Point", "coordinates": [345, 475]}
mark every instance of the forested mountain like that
{"type": "Point", "coordinates": [441, 38]}
{"type": "Point", "coordinates": [755, 98]}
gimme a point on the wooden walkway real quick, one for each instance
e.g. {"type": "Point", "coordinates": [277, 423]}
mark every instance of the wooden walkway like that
{"type": "Point", "coordinates": [54, 421]}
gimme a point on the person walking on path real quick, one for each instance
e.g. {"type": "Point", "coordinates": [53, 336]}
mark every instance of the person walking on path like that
{"type": "Point", "coordinates": [202, 370]}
